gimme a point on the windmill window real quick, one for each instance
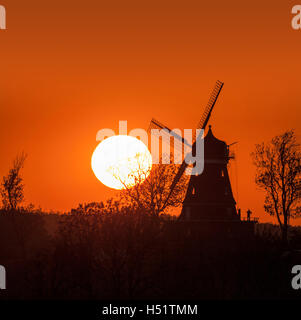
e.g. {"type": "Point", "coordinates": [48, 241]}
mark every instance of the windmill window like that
{"type": "Point", "coordinates": [222, 173]}
{"type": "Point", "coordinates": [193, 190]}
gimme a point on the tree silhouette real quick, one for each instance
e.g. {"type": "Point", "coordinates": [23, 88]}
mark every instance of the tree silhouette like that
{"type": "Point", "coordinates": [152, 186]}
{"type": "Point", "coordinates": [278, 172]}
{"type": "Point", "coordinates": [12, 188]}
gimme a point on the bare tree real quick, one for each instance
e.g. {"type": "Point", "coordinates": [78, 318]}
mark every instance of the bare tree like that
{"type": "Point", "coordinates": [278, 172]}
{"type": "Point", "coordinates": [12, 188]}
{"type": "Point", "coordinates": [148, 187]}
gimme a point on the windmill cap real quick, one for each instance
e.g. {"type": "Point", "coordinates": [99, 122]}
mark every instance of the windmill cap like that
{"type": "Point", "coordinates": [213, 147]}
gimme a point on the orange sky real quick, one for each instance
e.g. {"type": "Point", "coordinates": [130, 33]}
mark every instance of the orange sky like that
{"type": "Point", "coordinates": [70, 68]}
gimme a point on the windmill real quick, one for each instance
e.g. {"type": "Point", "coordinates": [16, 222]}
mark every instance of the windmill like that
{"type": "Point", "coordinates": [209, 208]}
{"type": "Point", "coordinates": [201, 125]}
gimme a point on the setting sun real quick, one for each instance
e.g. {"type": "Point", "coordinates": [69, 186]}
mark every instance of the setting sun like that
{"type": "Point", "coordinates": [121, 161]}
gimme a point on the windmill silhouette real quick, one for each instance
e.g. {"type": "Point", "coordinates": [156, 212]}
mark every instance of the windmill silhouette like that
{"type": "Point", "coordinates": [209, 198]}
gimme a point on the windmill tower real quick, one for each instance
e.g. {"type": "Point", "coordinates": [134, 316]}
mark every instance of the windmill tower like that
{"type": "Point", "coordinates": [209, 195]}
{"type": "Point", "coordinates": [209, 205]}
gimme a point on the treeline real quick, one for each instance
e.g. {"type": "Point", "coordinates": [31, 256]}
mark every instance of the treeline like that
{"type": "Point", "coordinates": [110, 251]}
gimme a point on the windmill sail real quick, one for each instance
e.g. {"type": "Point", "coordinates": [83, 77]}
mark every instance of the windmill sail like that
{"type": "Point", "coordinates": [201, 125]}
{"type": "Point", "coordinates": [212, 100]}
{"type": "Point", "coordinates": [155, 124]}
